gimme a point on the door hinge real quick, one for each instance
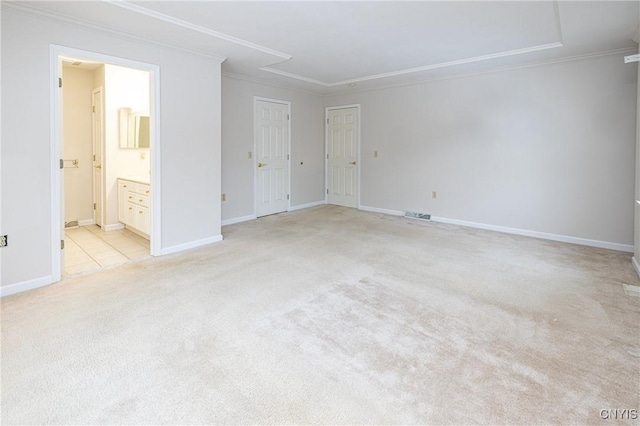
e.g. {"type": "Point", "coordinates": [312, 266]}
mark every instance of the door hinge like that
{"type": "Point", "coordinates": [287, 196]}
{"type": "Point", "coordinates": [94, 206]}
{"type": "Point", "coordinates": [327, 121]}
{"type": "Point", "coordinates": [287, 156]}
{"type": "Point", "coordinates": [61, 163]}
{"type": "Point", "coordinates": [93, 108]}
{"type": "Point", "coordinates": [94, 158]}
{"type": "Point", "coordinates": [327, 191]}
{"type": "Point", "coordinates": [59, 81]}
{"type": "Point", "coordinates": [288, 117]}
{"type": "Point", "coordinates": [61, 244]}
{"type": "Point", "coordinates": [327, 156]}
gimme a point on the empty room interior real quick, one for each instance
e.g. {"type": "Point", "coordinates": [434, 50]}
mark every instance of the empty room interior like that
{"type": "Point", "coordinates": [320, 212]}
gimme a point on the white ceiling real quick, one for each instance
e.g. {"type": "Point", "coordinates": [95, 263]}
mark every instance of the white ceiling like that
{"type": "Point", "coordinates": [324, 46]}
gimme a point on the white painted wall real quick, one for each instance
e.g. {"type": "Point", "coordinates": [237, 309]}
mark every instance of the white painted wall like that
{"type": "Point", "coordinates": [548, 148]}
{"type": "Point", "coordinates": [77, 137]}
{"type": "Point", "coordinates": [190, 140]}
{"type": "Point", "coordinates": [307, 145]}
{"type": "Point", "coordinates": [124, 88]}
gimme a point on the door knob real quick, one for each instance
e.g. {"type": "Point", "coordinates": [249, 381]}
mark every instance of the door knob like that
{"type": "Point", "coordinates": [353, 163]}
{"type": "Point", "coordinates": [262, 164]}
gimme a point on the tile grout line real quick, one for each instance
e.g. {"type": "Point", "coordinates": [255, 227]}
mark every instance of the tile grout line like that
{"type": "Point", "coordinates": [112, 246]}
{"type": "Point", "coordinates": [81, 248]}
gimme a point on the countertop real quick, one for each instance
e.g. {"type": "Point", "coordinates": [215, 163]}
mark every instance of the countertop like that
{"type": "Point", "coordinates": [139, 179]}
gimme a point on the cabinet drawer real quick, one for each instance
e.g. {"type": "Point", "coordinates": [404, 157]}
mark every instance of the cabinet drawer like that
{"type": "Point", "coordinates": [139, 188]}
{"type": "Point", "coordinates": [142, 200]}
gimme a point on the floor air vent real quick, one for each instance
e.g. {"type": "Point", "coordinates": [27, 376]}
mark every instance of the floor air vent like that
{"type": "Point", "coordinates": [631, 290]}
{"type": "Point", "coordinates": [71, 224]}
{"type": "Point", "coordinates": [417, 215]}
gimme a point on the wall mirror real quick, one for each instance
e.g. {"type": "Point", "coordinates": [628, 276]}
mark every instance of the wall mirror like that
{"type": "Point", "coordinates": [134, 128]}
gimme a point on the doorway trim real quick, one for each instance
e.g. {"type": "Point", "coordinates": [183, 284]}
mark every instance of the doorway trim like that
{"type": "Point", "coordinates": [254, 162]}
{"type": "Point", "coordinates": [55, 96]}
{"type": "Point", "coordinates": [100, 145]}
{"type": "Point", "coordinates": [326, 151]}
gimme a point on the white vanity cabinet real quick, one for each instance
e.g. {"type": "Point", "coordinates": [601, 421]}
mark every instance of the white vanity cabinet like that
{"type": "Point", "coordinates": [133, 205]}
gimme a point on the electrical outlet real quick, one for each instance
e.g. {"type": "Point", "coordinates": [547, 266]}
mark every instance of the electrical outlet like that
{"type": "Point", "coordinates": [375, 154]}
{"type": "Point", "coordinates": [250, 155]}
{"type": "Point", "coordinates": [224, 197]}
{"type": "Point", "coordinates": [3, 241]}
{"type": "Point", "coordinates": [434, 194]}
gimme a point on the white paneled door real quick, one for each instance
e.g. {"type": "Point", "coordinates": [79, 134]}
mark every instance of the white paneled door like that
{"type": "Point", "coordinates": [272, 157]}
{"type": "Point", "coordinates": [342, 157]}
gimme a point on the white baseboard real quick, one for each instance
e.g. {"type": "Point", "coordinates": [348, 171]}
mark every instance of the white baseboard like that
{"type": "Point", "coordinates": [307, 205]}
{"type": "Point", "coordinates": [636, 266]}
{"type": "Point", "coordinates": [86, 222]}
{"type": "Point", "coordinates": [190, 245]}
{"type": "Point", "coordinates": [25, 285]}
{"type": "Point", "coordinates": [383, 211]}
{"type": "Point", "coordinates": [238, 219]}
{"type": "Point", "coordinates": [536, 234]}
{"type": "Point", "coordinates": [113, 227]}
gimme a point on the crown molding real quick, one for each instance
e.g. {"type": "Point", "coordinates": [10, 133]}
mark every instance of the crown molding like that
{"type": "Point", "coordinates": [297, 77]}
{"type": "Point", "coordinates": [271, 84]}
{"type": "Point", "coordinates": [535, 64]}
{"type": "Point", "coordinates": [31, 10]}
{"type": "Point", "coordinates": [556, 14]}
{"type": "Point", "coordinates": [418, 69]}
{"type": "Point", "coordinates": [350, 91]}
{"type": "Point", "coordinates": [513, 52]}
{"type": "Point", "coordinates": [197, 28]}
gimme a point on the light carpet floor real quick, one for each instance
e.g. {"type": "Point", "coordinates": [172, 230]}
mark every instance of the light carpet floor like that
{"type": "Point", "coordinates": [334, 316]}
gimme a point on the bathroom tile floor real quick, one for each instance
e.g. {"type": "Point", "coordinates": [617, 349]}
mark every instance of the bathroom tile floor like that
{"type": "Point", "coordinates": [89, 248]}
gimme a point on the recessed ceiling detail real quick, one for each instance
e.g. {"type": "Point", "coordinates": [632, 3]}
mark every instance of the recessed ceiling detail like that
{"type": "Point", "coordinates": [419, 69]}
{"type": "Point", "coordinates": [322, 46]}
{"type": "Point", "coordinates": [182, 23]}
{"type": "Point", "coordinates": [533, 21]}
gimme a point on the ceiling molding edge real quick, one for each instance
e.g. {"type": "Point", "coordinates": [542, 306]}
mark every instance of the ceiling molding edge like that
{"type": "Point", "coordinates": [242, 77]}
{"type": "Point", "coordinates": [59, 17]}
{"type": "Point", "coordinates": [622, 51]}
{"type": "Point", "coordinates": [559, 43]}
{"type": "Point", "coordinates": [297, 77]}
{"type": "Point", "coordinates": [556, 13]}
{"type": "Point", "coordinates": [421, 68]}
{"type": "Point", "coordinates": [194, 27]}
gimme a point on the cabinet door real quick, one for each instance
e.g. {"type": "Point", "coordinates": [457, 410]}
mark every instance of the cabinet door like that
{"type": "Point", "coordinates": [142, 219]}
{"type": "Point", "coordinates": [131, 214]}
{"type": "Point", "coordinates": [122, 201]}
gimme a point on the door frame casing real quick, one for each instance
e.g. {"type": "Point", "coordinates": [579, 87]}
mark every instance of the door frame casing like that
{"type": "Point", "coordinates": [255, 148]}
{"type": "Point", "coordinates": [99, 89]}
{"type": "Point", "coordinates": [55, 125]}
{"type": "Point", "coordinates": [326, 151]}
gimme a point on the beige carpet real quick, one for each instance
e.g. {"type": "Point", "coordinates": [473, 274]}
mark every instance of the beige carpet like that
{"type": "Point", "coordinates": [332, 315]}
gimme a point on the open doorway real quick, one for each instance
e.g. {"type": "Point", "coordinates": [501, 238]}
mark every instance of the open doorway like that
{"type": "Point", "coordinates": [106, 141]}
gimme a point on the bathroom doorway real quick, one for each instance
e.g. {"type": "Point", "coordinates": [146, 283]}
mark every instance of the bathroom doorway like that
{"type": "Point", "coordinates": [106, 141]}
